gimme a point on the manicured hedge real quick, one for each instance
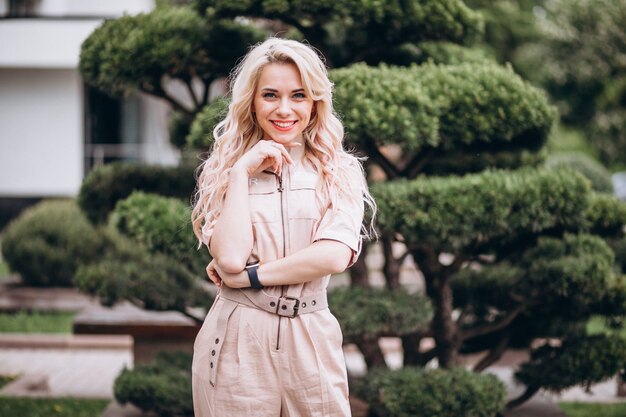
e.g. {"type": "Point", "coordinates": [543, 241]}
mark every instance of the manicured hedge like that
{"type": "Point", "coordinates": [594, 171]}
{"type": "Point", "coordinates": [201, 133]}
{"type": "Point", "coordinates": [453, 213]}
{"type": "Point", "coordinates": [105, 186]}
{"type": "Point", "coordinates": [605, 215]}
{"type": "Point", "coordinates": [162, 386]}
{"type": "Point", "coordinates": [457, 107]}
{"type": "Point", "coordinates": [167, 41]}
{"type": "Point", "coordinates": [581, 360]}
{"type": "Point", "coordinates": [376, 312]}
{"type": "Point", "coordinates": [412, 392]}
{"type": "Point", "coordinates": [161, 224]}
{"type": "Point", "coordinates": [48, 242]}
{"type": "Point", "coordinates": [395, 22]}
{"type": "Point", "coordinates": [130, 272]}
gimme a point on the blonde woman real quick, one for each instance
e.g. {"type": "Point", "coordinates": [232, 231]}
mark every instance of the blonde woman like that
{"type": "Point", "coordinates": [280, 206]}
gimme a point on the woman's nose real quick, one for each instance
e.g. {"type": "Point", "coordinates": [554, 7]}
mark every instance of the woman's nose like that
{"type": "Point", "coordinates": [284, 107]}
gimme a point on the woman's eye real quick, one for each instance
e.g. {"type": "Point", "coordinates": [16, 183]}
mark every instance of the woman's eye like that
{"type": "Point", "coordinates": [269, 95]}
{"type": "Point", "coordinates": [299, 95]}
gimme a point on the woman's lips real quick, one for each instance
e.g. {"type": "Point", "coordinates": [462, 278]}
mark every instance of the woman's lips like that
{"type": "Point", "coordinates": [284, 126]}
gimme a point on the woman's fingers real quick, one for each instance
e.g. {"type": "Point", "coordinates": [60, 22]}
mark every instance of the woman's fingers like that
{"type": "Point", "coordinates": [212, 273]}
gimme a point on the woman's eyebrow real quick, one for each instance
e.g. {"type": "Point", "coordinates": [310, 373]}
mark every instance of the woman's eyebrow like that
{"type": "Point", "coordinates": [273, 90]}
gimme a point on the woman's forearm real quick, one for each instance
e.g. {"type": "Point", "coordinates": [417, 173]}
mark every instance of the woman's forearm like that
{"type": "Point", "coordinates": [232, 240]}
{"type": "Point", "coordinates": [315, 261]}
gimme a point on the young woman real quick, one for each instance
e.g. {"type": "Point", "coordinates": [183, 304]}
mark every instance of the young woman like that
{"type": "Point", "coordinates": [280, 206]}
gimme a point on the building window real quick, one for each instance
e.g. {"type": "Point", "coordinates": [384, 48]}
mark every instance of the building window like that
{"type": "Point", "coordinates": [112, 129]}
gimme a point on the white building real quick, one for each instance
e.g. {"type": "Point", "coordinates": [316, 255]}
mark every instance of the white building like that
{"type": "Point", "coordinates": [53, 127]}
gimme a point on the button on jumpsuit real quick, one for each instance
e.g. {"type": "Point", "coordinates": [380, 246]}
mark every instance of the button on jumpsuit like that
{"type": "Point", "coordinates": [249, 362]}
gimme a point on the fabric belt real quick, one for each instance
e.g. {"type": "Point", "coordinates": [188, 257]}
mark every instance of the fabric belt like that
{"type": "Point", "coordinates": [283, 306]}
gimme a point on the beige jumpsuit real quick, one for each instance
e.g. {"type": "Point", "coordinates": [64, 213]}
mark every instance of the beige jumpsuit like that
{"type": "Point", "coordinates": [249, 362]}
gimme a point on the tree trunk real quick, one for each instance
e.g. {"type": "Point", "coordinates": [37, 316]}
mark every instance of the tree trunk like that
{"type": "Point", "coordinates": [411, 348]}
{"type": "Point", "coordinates": [371, 351]}
{"type": "Point", "coordinates": [391, 267]}
{"type": "Point", "coordinates": [359, 275]}
{"type": "Point", "coordinates": [444, 328]}
{"type": "Point", "coordinates": [527, 395]}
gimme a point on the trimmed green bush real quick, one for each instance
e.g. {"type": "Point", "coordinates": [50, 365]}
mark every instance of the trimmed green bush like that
{"type": "Point", "coordinates": [571, 273]}
{"type": "Point", "coordinates": [165, 41]}
{"type": "Point", "coordinates": [579, 361]}
{"type": "Point", "coordinates": [605, 215]}
{"type": "Point", "coordinates": [130, 272]}
{"type": "Point", "coordinates": [160, 224]}
{"type": "Point", "coordinates": [384, 105]}
{"type": "Point", "coordinates": [594, 171]}
{"type": "Point", "coordinates": [374, 312]}
{"type": "Point", "coordinates": [455, 213]}
{"type": "Point", "coordinates": [392, 22]}
{"type": "Point", "coordinates": [413, 392]}
{"type": "Point", "coordinates": [49, 241]}
{"type": "Point", "coordinates": [201, 133]}
{"type": "Point", "coordinates": [456, 107]}
{"type": "Point", "coordinates": [105, 186]}
{"type": "Point", "coordinates": [162, 386]}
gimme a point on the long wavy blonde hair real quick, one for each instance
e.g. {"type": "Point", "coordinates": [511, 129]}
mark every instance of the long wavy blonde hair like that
{"type": "Point", "coordinates": [238, 132]}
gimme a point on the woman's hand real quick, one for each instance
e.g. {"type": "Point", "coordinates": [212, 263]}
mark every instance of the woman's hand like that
{"type": "Point", "coordinates": [220, 278]}
{"type": "Point", "coordinates": [263, 155]}
{"type": "Point", "coordinates": [212, 273]}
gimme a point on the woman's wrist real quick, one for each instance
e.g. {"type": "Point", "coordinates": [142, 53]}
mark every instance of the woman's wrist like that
{"type": "Point", "coordinates": [238, 172]}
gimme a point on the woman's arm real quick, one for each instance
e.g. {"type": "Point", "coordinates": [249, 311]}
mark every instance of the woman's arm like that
{"type": "Point", "coordinates": [231, 241]}
{"type": "Point", "coordinates": [232, 238]}
{"type": "Point", "coordinates": [315, 261]}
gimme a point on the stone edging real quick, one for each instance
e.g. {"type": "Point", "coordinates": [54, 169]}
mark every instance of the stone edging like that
{"type": "Point", "coordinates": [55, 341]}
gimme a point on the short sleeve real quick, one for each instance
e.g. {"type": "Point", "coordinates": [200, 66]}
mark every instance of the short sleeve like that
{"type": "Point", "coordinates": [344, 224]}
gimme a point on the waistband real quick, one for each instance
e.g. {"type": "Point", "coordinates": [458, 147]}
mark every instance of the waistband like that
{"type": "Point", "coordinates": [284, 306]}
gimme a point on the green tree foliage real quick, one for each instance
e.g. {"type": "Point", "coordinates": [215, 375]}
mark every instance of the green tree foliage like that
{"type": "Point", "coordinates": [413, 392]}
{"type": "Point", "coordinates": [163, 386]}
{"type": "Point", "coordinates": [438, 110]}
{"type": "Point", "coordinates": [509, 26]}
{"type": "Point", "coordinates": [347, 31]}
{"type": "Point", "coordinates": [580, 61]}
{"type": "Point", "coordinates": [150, 52]}
{"type": "Point", "coordinates": [103, 187]}
{"type": "Point", "coordinates": [49, 241]}
{"type": "Point", "coordinates": [160, 224]}
{"type": "Point", "coordinates": [594, 171]}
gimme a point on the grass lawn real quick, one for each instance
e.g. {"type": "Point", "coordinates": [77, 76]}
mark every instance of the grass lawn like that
{"type": "Point", "coordinates": [45, 407]}
{"type": "Point", "coordinates": [36, 322]}
{"type": "Point", "coordinates": [593, 409]}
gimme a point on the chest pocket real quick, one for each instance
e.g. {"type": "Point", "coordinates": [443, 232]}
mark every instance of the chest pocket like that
{"type": "Point", "coordinates": [264, 198]}
{"type": "Point", "coordinates": [302, 201]}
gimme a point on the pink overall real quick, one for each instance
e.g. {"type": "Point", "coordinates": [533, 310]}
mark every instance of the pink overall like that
{"type": "Point", "coordinates": [250, 362]}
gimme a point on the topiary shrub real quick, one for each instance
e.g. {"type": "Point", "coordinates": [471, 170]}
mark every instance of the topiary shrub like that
{"type": "Point", "coordinates": [162, 386]}
{"type": "Point", "coordinates": [103, 187]}
{"type": "Point", "coordinates": [376, 312]}
{"type": "Point", "coordinates": [594, 171]}
{"type": "Point", "coordinates": [414, 392]}
{"type": "Point", "coordinates": [48, 242]}
{"type": "Point", "coordinates": [583, 360]}
{"type": "Point", "coordinates": [129, 272]}
{"type": "Point", "coordinates": [201, 132]}
{"type": "Point", "coordinates": [160, 224]}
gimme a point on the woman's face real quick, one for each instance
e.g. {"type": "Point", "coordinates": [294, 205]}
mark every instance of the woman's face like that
{"type": "Point", "coordinates": [283, 110]}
